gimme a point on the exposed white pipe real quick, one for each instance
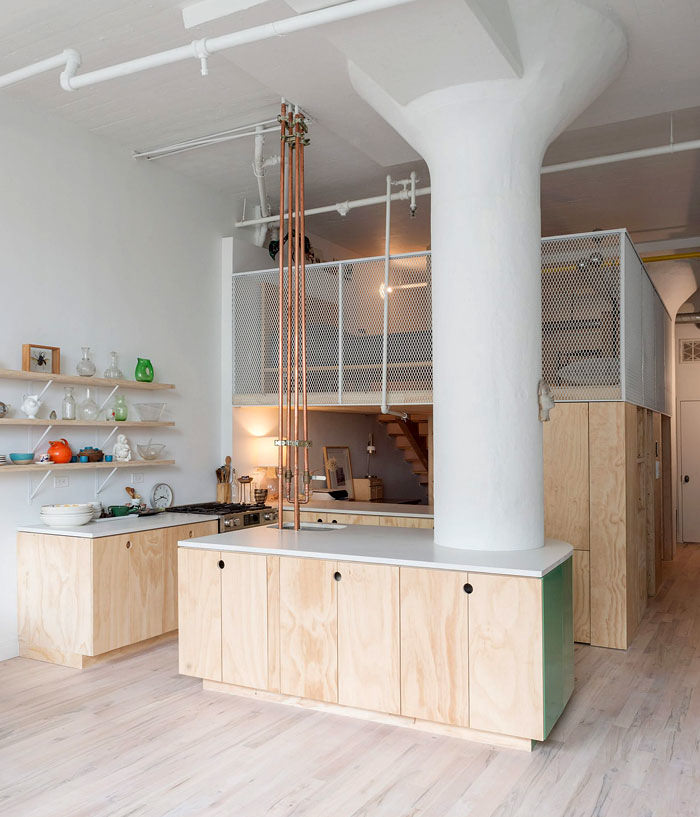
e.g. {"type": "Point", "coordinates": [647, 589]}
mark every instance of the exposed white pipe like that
{"type": "Point", "coordinates": [342, 207]}
{"type": "Point", "coordinates": [204, 141]}
{"type": "Point", "coordinates": [199, 49]}
{"type": "Point", "coordinates": [69, 56]}
{"type": "Point", "coordinates": [643, 153]}
{"type": "Point", "coordinates": [259, 171]}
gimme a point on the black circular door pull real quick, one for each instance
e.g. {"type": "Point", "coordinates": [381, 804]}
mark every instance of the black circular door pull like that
{"type": "Point", "coordinates": [221, 564]}
{"type": "Point", "coordinates": [337, 576]}
{"type": "Point", "coordinates": [468, 588]}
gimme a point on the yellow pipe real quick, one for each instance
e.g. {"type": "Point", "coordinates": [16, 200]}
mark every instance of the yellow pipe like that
{"type": "Point", "coordinates": [651, 259]}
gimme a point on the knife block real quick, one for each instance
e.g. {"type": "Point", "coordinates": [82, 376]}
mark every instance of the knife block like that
{"type": "Point", "coordinates": [223, 491]}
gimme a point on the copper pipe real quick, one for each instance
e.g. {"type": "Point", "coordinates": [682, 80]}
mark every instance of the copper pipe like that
{"type": "Point", "coordinates": [280, 357]}
{"type": "Point", "coordinates": [302, 239]}
{"type": "Point", "coordinates": [296, 320]}
{"type": "Point", "coordinates": [290, 180]}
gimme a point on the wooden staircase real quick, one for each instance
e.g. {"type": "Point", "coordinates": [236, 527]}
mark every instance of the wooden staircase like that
{"type": "Point", "coordinates": [412, 438]}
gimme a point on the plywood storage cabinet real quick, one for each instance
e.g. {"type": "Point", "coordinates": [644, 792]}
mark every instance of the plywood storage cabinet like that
{"type": "Point", "coordinates": [362, 519]}
{"type": "Point", "coordinates": [79, 598]}
{"type": "Point", "coordinates": [607, 492]}
{"type": "Point", "coordinates": [454, 649]}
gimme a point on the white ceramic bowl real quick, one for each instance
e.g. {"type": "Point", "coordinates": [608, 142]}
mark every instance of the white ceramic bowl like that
{"type": "Point", "coordinates": [61, 510]}
{"type": "Point", "coordinates": [73, 521]}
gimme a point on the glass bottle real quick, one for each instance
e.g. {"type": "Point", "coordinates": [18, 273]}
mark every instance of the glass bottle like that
{"type": "Point", "coordinates": [144, 370]}
{"type": "Point", "coordinates": [119, 409]}
{"type": "Point", "coordinates": [68, 407]}
{"type": "Point", "coordinates": [88, 408]}
{"type": "Point", "coordinates": [85, 367]}
{"type": "Point", "coordinates": [113, 372]}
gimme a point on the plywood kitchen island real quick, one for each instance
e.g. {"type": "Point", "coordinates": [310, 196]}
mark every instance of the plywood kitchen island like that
{"type": "Point", "coordinates": [381, 623]}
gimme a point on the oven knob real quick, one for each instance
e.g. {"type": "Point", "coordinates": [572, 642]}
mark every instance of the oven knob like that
{"type": "Point", "coordinates": [268, 517]}
{"type": "Point", "coordinates": [236, 522]}
{"type": "Point", "coordinates": [227, 523]}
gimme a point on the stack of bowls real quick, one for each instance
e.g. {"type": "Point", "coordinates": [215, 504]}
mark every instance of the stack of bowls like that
{"type": "Point", "coordinates": [66, 516]}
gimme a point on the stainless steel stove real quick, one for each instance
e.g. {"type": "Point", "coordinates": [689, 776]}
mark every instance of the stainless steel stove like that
{"type": "Point", "coordinates": [232, 515]}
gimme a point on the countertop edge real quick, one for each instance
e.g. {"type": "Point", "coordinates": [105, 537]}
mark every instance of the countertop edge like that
{"type": "Point", "coordinates": [206, 543]}
{"type": "Point", "coordinates": [119, 528]}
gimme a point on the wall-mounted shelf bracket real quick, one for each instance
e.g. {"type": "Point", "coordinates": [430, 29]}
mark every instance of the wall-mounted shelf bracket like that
{"type": "Point", "coordinates": [109, 476]}
{"type": "Point", "coordinates": [42, 438]}
{"type": "Point", "coordinates": [33, 493]}
{"type": "Point", "coordinates": [108, 398]}
{"type": "Point", "coordinates": [108, 437]}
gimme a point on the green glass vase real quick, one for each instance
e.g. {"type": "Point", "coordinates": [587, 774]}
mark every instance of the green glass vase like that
{"type": "Point", "coordinates": [144, 370]}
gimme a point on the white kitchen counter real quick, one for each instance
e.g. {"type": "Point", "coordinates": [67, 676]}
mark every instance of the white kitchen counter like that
{"type": "Point", "coordinates": [120, 525]}
{"type": "Point", "coordinates": [395, 546]}
{"type": "Point", "coordinates": [362, 508]}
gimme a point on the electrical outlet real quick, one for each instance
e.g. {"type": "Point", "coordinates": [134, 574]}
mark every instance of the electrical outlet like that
{"type": "Point", "coordinates": [61, 482]}
{"type": "Point", "coordinates": [137, 478]}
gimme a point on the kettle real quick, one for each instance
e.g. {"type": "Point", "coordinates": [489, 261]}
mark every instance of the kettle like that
{"type": "Point", "coordinates": [59, 451]}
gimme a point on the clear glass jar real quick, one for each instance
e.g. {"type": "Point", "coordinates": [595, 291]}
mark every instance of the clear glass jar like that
{"type": "Point", "coordinates": [68, 406]}
{"type": "Point", "coordinates": [85, 367]}
{"type": "Point", "coordinates": [119, 409]}
{"type": "Point", "coordinates": [88, 408]}
{"type": "Point", "coordinates": [113, 372]}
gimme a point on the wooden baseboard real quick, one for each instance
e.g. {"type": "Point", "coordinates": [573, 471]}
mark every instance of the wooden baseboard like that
{"type": "Point", "coordinates": [78, 661]}
{"type": "Point", "coordinates": [464, 733]}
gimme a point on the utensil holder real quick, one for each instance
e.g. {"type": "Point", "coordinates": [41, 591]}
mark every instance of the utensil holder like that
{"type": "Point", "coordinates": [223, 492]}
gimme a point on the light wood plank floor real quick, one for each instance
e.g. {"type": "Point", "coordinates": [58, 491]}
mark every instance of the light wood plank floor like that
{"type": "Point", "coordinates": [132, 737]}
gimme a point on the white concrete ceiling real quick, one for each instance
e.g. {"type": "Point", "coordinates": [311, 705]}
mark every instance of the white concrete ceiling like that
{"type": "Point", "coordinates": [352, 147]}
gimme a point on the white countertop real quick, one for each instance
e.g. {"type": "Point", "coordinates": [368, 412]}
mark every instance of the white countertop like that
{"type": "Point", "coordinates": [362, 508]}
{"type": "Point", "coordinates": [395, 546]}
{"type": "Point", "coordinates": [121, 524]}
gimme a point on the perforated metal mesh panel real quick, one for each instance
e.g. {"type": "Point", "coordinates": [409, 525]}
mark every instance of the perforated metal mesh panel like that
{"type": "Point", "coordinates": [344, 333]}
{"type": "Point", "coordinates": [581, 316]}
{"type": "Point", "coordinates": [605, 332]}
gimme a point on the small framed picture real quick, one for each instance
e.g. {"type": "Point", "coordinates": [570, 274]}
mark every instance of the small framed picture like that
{"type": "Point", "coordinates": [336, 459]}
{"type": "Point", "coordinates": [37, 358]}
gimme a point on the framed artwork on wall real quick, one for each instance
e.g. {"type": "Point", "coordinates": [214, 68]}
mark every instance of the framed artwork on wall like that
{"type": "Point", "coordinates": [336, 459]}
{"type": "Point", "coordinates": [37, 358]}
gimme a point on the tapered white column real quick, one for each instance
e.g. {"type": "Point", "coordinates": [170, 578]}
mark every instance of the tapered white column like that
{"type": "Point", "coordinates": [484, 144]}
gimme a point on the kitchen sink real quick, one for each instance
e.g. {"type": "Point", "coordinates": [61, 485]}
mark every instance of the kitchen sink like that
{"type": "Point", "coordinates": [309, 526]}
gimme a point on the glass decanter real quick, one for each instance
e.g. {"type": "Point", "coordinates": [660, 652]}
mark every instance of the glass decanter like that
{"type": "Point", "coordinates": [88, 408]}
{"type": "Point", "coordinates": [85, 367]}
{"type": "Point", "coordinates": [119, 409]}
{"type": "Point", "coordinates": [113, 372]}
{"type": "Point", "coordinates": [68, 407]}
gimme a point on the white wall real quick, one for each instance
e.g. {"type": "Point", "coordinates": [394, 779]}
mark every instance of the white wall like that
{"type": "Point", "coordinates": [98, 249]}
{"type": "Point", "coordinates": [253, 428]}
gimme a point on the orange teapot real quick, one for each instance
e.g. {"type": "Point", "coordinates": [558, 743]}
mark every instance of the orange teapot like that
{"type": "Point", "coordinates": [59, 451]}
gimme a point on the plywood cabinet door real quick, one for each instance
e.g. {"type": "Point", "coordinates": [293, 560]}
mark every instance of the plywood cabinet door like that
{"type": "Point", "coordinates": [566, 483]}
{"type": "Point", "coordinates": [199, 613]}
{"type": "Point", "coordinates": [308, 629]}
{"type": "Point", "coordinates": [434, 645]}
{"type": "Point", "coordinates": [368, 637]}
{"type": "Point", "coordinates": [506, 687]}
{"type": "Point", "coordinates": [110, 593]}
{"type": "Point", "coordinates": [146, 591]}
{"type": "Point", "coordinates": [424, 522]}
{"type": "Point", "coordinates": [171, 537]}
{"type": "Point", "coordinates": [244, 620]}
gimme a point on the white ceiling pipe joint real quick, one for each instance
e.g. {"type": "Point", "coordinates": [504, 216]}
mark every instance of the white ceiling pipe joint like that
{"type": "Point", "coordinates": [201, 50]}
{"type": "Point", "coordinates": [73, 62]}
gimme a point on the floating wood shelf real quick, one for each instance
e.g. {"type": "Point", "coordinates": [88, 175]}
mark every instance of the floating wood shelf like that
{"type": "Point", "coordinates": [12, 468]}
{"type": "Point", "coordinates": [77, 380]}
{"type": "Point", "coordinates": [19, 421]}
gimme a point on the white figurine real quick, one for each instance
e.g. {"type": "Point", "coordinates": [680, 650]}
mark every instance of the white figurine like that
{"type": "Point", "coordinates": [31, 405]}
{"type": "Point", "coordinates": [122, 449]}
{"type": "Point", "coordinates": [546, 401]}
